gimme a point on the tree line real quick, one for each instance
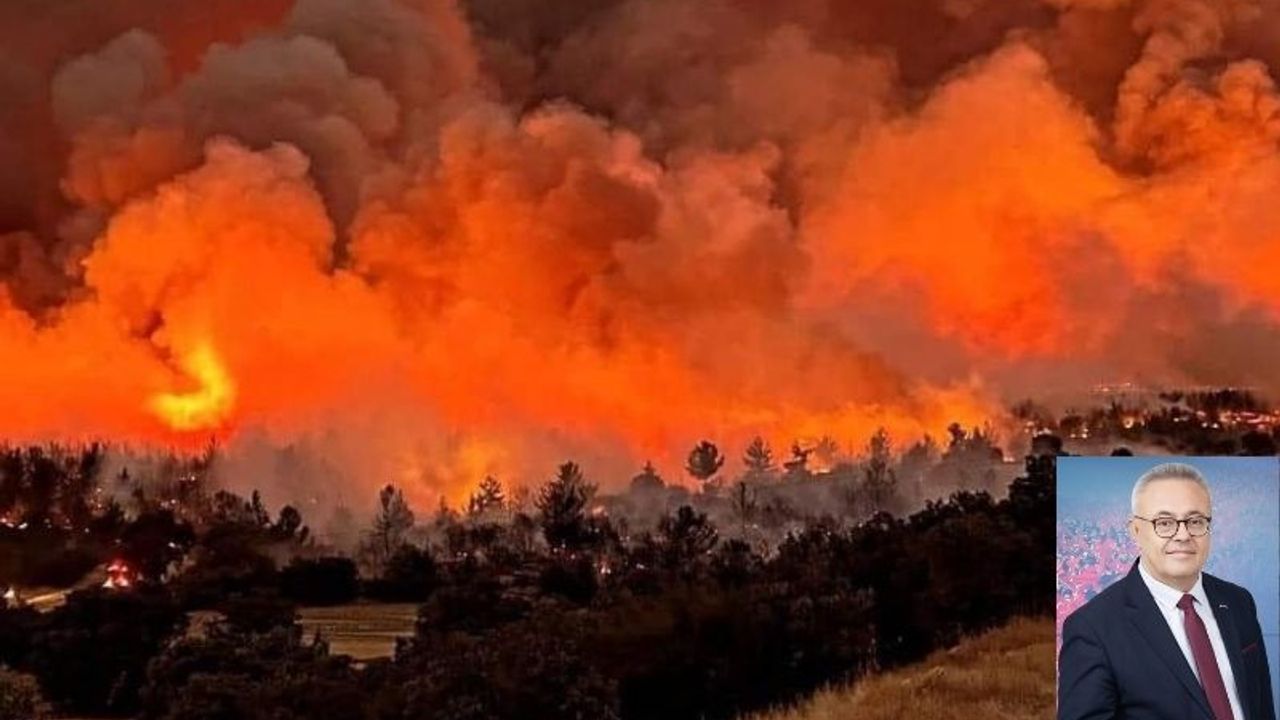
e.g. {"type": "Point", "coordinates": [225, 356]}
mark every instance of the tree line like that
{"type": "Point", "coordinates": [553, 611]}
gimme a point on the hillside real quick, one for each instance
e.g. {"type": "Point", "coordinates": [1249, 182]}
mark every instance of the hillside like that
{"type": "Point", "coordinates": [1006, 673]}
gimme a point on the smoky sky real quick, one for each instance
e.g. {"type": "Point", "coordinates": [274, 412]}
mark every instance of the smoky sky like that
{"type": "Point", "coordinates": [491, 234]}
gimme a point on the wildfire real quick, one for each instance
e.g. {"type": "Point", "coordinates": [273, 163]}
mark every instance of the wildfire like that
{"type": "Point", "coordinates": [821, 232]}
{"type": "Point", "coordinates": [119, 576]}
{"type": "Point", "coordinates": [206, 407]}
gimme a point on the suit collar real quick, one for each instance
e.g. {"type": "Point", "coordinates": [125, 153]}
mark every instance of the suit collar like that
{"type": "Point", "coordinates": [1167, 596]}
{"type": "Point", "coordinates": [1145, 615]}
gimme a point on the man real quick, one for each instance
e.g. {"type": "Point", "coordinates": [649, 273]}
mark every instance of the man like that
{"type": "Point", "coordinates": [1167, 641]}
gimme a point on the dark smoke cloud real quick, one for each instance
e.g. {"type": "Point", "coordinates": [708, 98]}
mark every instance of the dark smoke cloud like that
{"type": "Point", "coordinates": [728, 217]}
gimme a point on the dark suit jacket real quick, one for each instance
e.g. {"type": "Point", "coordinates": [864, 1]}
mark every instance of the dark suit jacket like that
{"type": "Point", "coordinates": [1119, 659]}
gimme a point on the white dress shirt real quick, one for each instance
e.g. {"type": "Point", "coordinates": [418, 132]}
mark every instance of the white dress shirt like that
{"type": "Point", "coordinates": [1167, 598]}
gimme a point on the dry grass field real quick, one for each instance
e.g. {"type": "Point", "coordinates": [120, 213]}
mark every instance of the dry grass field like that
{"type": "Point", "coordinates": [1007, 673]}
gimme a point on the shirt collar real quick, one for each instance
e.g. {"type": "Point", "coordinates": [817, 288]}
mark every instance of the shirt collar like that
{"type": "Point", "coordinates": [1167, 597]}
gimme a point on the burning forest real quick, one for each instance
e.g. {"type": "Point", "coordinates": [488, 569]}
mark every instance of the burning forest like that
{"type": "Point", "coordinates": [431, 241]}
{"type": "Point", "coordinates": [661, 353]}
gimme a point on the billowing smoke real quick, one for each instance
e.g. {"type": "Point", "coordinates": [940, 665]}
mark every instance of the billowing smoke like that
{"type": "Point", "coordinates": [430, 240]}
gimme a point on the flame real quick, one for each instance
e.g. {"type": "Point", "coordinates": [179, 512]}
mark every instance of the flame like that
{"type": "Point", "coordinates": [118, 576]}
{"type": "Point", "coordinates": [209, 405]}
{"type": "Point", "coordinates": [802, 239]}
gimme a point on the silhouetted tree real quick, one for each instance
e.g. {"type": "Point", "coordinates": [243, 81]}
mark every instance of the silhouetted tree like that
{"type": "Point", "coordinates": [523, 533]}
{"type": "Point", "coordinates": [273, 675]}
{"type": "Point", "coordinates": [487, 498]}
{"type": "Point", "coordinates": [520, 499]}
{"type": "Point", "coordinates": [77, 486]}
{"type": "Point", "coordinates": [154, 541]}
{"type": "Point", "coordinates": [704, 461]}
{"type": "Point", "coordinates": [1257, 443]}
{"type": "Point", "coordinates": [879, 480]}
{"type": "Point", "coordinates": [734, 564]}
{"type": "Point", "coordinates": [535, 669]}
{"type": "Point", "coordinates": [288, 525]}
{"type": "Point", "coordinates": [43, 476]}
{"type": "Point", "coordinates": [12, 477]}
{"type": "Point", "coordinates": [258, 512]}
{"type": "Point", "coordinates": [445, 516]}
{"type": "Point", "coordinates": [562, 505]}
{"type": "Point", "coordinates": [797, 468]}
{"type": "Point", "coordinates": [685, 537]}
{"type": "Point", "coordinates": [227, 508]}
{"type": "Point", "coordinates": [1046, 445]}
{"type": "Point", "coordinates": [474, 605]}
{"type": "Point", "coordinates": [647, 480]}
{"type": "Point", "coordinates": [826, 450]}
{"type": "Point", "coordinates": [109, 521]}
{"type": "Point", "coordinates": [758, 459]}
{"type": "Point", "coordinates": [231, 556]}
{"type": "Point", "coordinates": [91, 654]}
{"type": "Point", "coordinates": [969, 462]}
{"type": "Point", "coordinates": [913, 466]}
{"type": "Point", "coordinates": [391, 523]}
{"type": "Point", "coordinates": [410, 576]}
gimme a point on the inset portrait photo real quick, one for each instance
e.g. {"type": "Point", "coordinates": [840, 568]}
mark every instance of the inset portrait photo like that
{"type": "Point", "coordinates": [1168, 582]}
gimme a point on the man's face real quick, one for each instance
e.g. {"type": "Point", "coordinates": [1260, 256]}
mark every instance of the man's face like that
{"type": "Point", "coordinates": [1175, 561]}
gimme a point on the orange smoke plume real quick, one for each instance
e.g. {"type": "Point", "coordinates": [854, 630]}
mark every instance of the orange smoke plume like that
{"type": "Point", "coordinates": [434, 240]}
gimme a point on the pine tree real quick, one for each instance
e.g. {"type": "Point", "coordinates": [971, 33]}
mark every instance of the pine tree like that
{"type": "Point", "coordinates": [758, 459]}
{"type": "Point", "coordinates": [797, 468]}
{"type": "Point", "coordinates": [647, 480]}
{"type": "Point", "coordinates": [705, 461]}
{"type": "Point", "coordinates": [685, 537]}
{"type": "Point", "coordinates": [487, 498]}
{"type": "Point", "coordinates": [562, 506]}
{"type": "Point", "coordinates": [879, 480]}
{"type": "Point", "coordinates": [391, 524]}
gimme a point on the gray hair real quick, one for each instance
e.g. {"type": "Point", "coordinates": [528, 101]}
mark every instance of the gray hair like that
{"type": "Point", "coordinates": [1167, 471]}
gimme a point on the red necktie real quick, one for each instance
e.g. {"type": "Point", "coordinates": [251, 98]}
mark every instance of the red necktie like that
{"type": "Point", "coordinates": [1206, 663]}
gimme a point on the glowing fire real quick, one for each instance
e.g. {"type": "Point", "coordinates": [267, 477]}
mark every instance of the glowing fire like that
{"type": "Point", "coordinates": [119, 576]}
{"type": "Point", "coordinates": [209, 404]}
{"type": "Point", "coordinates": [835, 224]}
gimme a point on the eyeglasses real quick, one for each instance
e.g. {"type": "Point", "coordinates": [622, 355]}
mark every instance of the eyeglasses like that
{"type": "Point", "coordinates": [1167, 527]}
